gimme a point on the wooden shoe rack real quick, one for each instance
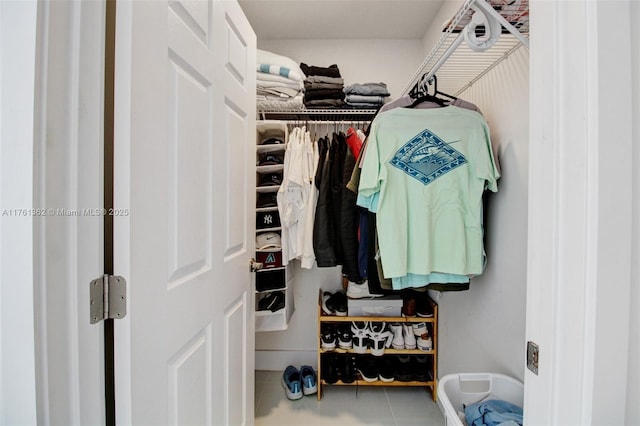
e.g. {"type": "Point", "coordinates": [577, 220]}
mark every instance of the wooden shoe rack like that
{"type": "Point", "coordinates": [432, 355]}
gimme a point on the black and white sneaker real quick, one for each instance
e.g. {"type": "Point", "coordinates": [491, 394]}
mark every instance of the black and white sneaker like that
{"type": "Point", "coordinates": [345, 338]}
{"type": "Point", "coordinates": [386, 367]}
{"type": "Point", "coordinates": [367, 368]}
{"type": "Point", "coordinates": [327, 308]}
{"type": "Point", "coordinates": [334, 304]}
{"type": "Point", "coordinates": [272, 301]}
{"type": "Point", "coordinates": [360, 331]}
{"type": "Point", "coordinates": [379, 337]}
{"type": "Point", "coordinates": [328, 337]}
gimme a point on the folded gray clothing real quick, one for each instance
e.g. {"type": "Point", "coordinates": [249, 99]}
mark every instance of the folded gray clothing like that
{"type": "Point", "coordinates": [368, 89]}
{"type": "Point", "coordinates": [365, 99]}
{"type": "Point", "coordinates": [323, 79]}
{"type": "Point", "coordinates": [324, 103]}
{"type": "Point", "coordinates": [313, 86]}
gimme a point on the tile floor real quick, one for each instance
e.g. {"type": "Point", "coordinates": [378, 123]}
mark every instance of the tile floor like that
{"type": "Point", "coordinates": [344, 406]}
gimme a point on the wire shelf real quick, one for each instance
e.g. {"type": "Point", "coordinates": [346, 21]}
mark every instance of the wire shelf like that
{"type": "Point", "coordinates": [456, 65]}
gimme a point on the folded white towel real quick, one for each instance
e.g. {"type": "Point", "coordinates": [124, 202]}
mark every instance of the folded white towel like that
{"type": "Point", "coordinates": [278, 61]}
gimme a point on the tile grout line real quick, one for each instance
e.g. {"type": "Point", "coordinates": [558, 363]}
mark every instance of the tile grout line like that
{"type": "Point", "coordinates": [393, 416]}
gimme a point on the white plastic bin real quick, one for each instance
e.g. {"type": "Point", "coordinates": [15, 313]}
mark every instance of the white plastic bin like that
{"type": "Point", "coordinates": [455, 390]}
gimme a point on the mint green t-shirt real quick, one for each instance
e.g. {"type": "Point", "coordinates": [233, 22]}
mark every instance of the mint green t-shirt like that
{"type": "Point", "coordinates": [424, 173]}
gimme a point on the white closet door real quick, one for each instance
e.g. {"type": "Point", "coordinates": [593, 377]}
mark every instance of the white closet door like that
{"type": "Point", "coordinates": [185, 136]}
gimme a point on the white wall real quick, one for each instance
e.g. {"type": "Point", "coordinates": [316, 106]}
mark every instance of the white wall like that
{"type": "Point", "coordinates": [360, 61]}
{"type": "Point", "coordinates": [633, 383]}
{"type": "Point", "coordinates": [483, 329]}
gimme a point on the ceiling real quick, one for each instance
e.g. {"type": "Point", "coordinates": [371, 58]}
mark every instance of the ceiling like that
{"type": "Point", "coordinates": [340, 19]}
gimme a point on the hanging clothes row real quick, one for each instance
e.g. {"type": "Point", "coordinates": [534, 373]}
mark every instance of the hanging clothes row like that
{"type": "Point", "coordinates": [317, 213]}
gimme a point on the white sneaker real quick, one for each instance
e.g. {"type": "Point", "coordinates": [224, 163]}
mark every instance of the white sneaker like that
{"type": "Point", "coordinates": [359, 291]}
{"type": "Point", "coordinates": [398, 341]}
{"type": "Point", "coordinates": [409, 337]}
{"type": "Point", "coordinates": [378, 335]}
{"type": "Point", "coordinates": [423, 339]}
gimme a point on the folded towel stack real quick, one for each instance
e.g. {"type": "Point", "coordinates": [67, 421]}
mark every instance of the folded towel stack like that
{"type": "Point", "coordinates": [279, 82]}
{"type": "Point", "coordinates": [366, 95]}
{"type": "Point", "coordinates": [323, 86]}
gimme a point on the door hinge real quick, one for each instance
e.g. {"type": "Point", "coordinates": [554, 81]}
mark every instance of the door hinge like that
{"type": "Point", "coordinates": [107, 298]}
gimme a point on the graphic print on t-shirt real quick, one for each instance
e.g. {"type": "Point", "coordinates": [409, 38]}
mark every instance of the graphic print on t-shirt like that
{"type": "Point", "coordinates": [426, 157]}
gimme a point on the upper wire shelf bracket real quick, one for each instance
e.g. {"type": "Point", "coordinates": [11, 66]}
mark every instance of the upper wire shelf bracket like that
{"type": "Point", "coordinates": [459, 64]}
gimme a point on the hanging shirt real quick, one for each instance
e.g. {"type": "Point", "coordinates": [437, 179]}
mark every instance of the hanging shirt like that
{"type": "Point", "coordinates": [424, 173]}
{"type": "Point", "coordinates": [310, 157]}
{"type": "Point", "coordinates": [289, 198]}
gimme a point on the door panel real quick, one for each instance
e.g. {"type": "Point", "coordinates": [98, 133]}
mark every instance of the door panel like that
{"type": "Point", "coordinates": [188, 338]}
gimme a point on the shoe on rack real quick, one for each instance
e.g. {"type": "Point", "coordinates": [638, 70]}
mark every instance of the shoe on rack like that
{"type": "Point", "coordinates": [404, 368]}
{"type": "Point", "coordinates": [367, 368]}
{"type": "Point", "coordinates": [386, 368]}
{"type": "Point", "coordinates": [292, 383]}
{"type": "Point", "coordinates": [328, 337]}
{"type": "Point", "coordinates": [334, 304]}
{"type": "Point", "coordinates": [360, 331]}
{"type": "Point", "coordinates": [339, 301]}
{"type": "Point", "coordinates": [309, 380]}
{"type": "Point", "coordinates": [360, 291]}
{"type": "Point", "coordinates": [408, 306]}
{"type": "Point", "coordinates": [397, 340]}
{"type": "Point", "coordinates": [330, 368]}
{"type": "Point", "coordinates": [420, 367]}
{"type": "Point", "coordinates": [380, 337]}
{"type": "Point", "coordinates": [409, 337]}
{"type": "Point", "coordinates": [327, 308]}
{"type": "Point", "coordinates": [348, 372]}
{"type": "Point", "coordinates": [423, 339]}
{"type": "Point", "coordinates": [423, 305]}
{"type": "Point", "coordinates": [345, 338]}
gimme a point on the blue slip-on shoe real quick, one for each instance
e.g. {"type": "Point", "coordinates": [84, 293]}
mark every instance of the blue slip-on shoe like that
{"type": "Point", "coordinates": [309, 382]}
{"type": "Point", "coordinates": [291, 381]}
